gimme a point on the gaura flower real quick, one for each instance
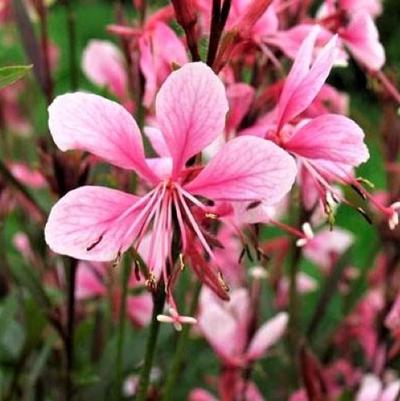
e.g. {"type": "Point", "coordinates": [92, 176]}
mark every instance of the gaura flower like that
{"type": "Point", "coordinates": [226, 326]}
{"type": "Point", "coordinates": [98, 223]}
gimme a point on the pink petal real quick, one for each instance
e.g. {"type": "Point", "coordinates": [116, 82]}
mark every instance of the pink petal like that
{"type": "Point", "coordinates": [267, 335]}
{"type": "Point", "coordinates": [103, 64]}
{"type": "Point", "coordinates": [89, 280]}
{"type": "Point", "coordinates": [157, 141]}
{"type": "Point", "coordinates": [27, 175]}
{"type": "Point", "coordinates": [161, 166]}
{"type": "Point", "coordinates": [370, 389]}
{"type": "Point", "coordinates": [246, 168]}
{"type": "Point", "coordinates": [160, 49]}
{"type": "Point", "coordinates": [362, 38]}
{"type": "Point", "coordinates": [240, 97]}
{"type": "Point", "coordinates": [99, 126]}
{"type": "Point", "coordinates": [391, 392]}
{"type": "Point", "coordinates": [139, 308]}
{"type": "Point", "coordinates": [87, 223]}
{"type": "Point", "coordinates": [373, 7]}
{"type": "Point", "coordinates": [191, 108]}
{"type": "Point", "coordinates": [330, 137]}
{"type": "Point", "coordinates": [219, 328]}
{"type": "Point", "coordinates": [327, 245]}
{"type": "Point", "coordinates": [148, 69]}
{"type": "Point", "coordinates": [199, 394]}
{"type": "Point", "coordinates": [303, 83]}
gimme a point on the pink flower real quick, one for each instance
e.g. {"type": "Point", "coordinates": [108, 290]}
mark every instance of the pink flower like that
{"type": "Point", "coordinates": [305, 284]}
{"type": "Point", "coordinates": [91, 282]}
{"type": "Point", "coordinates": [327, 246]}
{"type": "Point", "coordinates": [97, 223]}
{"type": "Point", "coordinates": [328, 146]}
{"type": "Point", "coordinates": [372, 389]}
{"type": "Point", "coordinates": [226, 328]}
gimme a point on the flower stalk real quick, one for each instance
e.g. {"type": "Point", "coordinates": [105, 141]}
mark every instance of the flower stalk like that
{"type": "Point", "coordinates": [158, 306]}
{"type": "Point", "coordinates": [179, 356]}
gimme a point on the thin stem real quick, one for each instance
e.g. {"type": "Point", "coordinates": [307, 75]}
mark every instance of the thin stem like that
{"type": "Point", "coordinates": [176, 365]}
{"type": "Point", "coordinates": [213, 44]}
{"type": "Point", "coordinates": [71, 33]}
{"type": "Point", "coordinates": [71, 270]}
{"type": "Point", "coordinates": [158, 305]}
{"type": "Point", "coordinates": [388, 85]}
{"type": "Point", "coordinates": [44, 40]}
{"type": "Point", "coordinates": [218, 21]}
{"type": "Point", "coordinates": [125, 274]}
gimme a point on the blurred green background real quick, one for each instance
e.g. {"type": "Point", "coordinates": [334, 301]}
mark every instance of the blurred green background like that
{"type": "Point", "coordinates": [92, 17]}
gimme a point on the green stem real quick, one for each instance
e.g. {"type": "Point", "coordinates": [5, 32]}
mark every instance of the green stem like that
{"type": "Point", "coordinates": [71, 270]}
{"type": "Point", "coordinates": [176, 365]}
{"type": "Point", "coordinates": [125, 274]}
{"type": "Point", "coordinates": [158, 305]}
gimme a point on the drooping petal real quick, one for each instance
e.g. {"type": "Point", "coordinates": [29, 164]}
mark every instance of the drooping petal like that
{"type": "Point", "coordinates": [303, 84]}
{"type": "Point", "coordinates": [191, 108]}
{"type": "Point", "coordinates": [86, 223]}
{"type": "Point", "coordinates": [332, 138]}
{"type": "Point", "coordinates": [362, 38]}
{"type": "Point", "coordinates": [99, 126]}
{"type": "Point", "coordinates": [103, 64]}
{"type": "Point", "coordinates": [267, 335]}
{"type": "Point", "coordinates": [246, 169]}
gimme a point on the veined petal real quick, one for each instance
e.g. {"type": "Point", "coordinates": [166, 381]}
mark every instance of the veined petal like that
{"type": "Point", "coordinates": [99, 126]}
{"type": "Point", "coordinates": [191, 107]}
{"type": "Point", "coordinates": [330, 137]}
{"type": "Point", "coordinates": [86, 223]}
{"type": "Point", "coordinates": [246, 169]}
{"type": "Point", "coordinates": [297, 73]}
{"type": "Point", "coordinates": [303, 84]}
{"type": "Point", "coordinates": [267, 335]}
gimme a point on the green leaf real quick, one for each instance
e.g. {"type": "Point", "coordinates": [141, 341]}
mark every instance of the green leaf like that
{"type": "Point", "coordinates": [11, 74]}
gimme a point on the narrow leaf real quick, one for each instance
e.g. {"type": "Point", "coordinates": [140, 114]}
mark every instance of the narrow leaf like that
{"type": "Point", "coordinates": [11, 74]}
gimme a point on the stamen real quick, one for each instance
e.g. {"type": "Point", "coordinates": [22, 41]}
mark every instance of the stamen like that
{"type": "Point", "coordinates": [181, 262]}
{"type": "Point", "coordinates": [190, 197]}
{"type": "Point", "coordinates": [180, 221]}
{"type": "Point", "coordinates": [195, 226]}
{"type": "Point", "coordinates": [308, 235]}
{"type": "Point", "coordinates": [212, 216]}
